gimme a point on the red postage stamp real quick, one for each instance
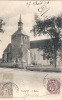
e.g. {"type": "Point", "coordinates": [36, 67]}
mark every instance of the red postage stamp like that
{"type": "Point", "coordinates": [53, 86]}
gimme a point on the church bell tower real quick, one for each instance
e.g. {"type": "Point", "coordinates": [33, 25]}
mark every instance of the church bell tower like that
{"type": "Point", "coordinates": [20, 24]}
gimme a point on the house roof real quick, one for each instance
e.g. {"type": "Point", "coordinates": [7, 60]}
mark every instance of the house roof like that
{"type": "Point", "coordinates": [38, 43]}
{"type": "Point", "coordinates": [33, 44]}
{"type": "Point", "coordinates": [8, 48]}
{"type": "Point", "coordinates": [20, 32]}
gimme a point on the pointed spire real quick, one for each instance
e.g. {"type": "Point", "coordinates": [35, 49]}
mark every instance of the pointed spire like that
{"type": "Point", "coordinates": [20, 20]}
{"type": "Point", "coordinates": [20, 24]}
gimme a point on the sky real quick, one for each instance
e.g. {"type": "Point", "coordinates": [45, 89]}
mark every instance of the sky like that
{"type": "Point", "coordinates": [10, 12]}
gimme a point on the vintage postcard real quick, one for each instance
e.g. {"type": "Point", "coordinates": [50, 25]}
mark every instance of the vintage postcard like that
{"type": "Point", "coordinates": [31, 50]}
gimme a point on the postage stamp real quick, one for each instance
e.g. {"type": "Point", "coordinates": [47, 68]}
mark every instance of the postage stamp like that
{"type": "Point", "coordinates": [6, 90]}
{"type": "Point", "coordinates": [53, 86]}
{"type": "Point", "coordinates": [7, 86]}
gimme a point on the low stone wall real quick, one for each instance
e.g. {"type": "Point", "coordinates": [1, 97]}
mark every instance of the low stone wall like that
{"type": "Point", "coordinates": [32, 68]}
{"type": "Point", "coordinates": [44, 69]}
{"type": "Point", "coordinates": [10, 65]}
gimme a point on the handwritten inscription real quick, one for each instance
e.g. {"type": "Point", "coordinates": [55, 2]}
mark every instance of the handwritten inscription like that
{"type": "Point", "coordinates": [42, 6]}
{"type": "Point", "coordinates": [43, 9]}
{"type": "Point", "coordinates": [35, 3]}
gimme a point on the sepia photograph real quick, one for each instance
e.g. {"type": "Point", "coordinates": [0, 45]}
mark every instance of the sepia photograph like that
{"type": "Point", "coordinates": [31, 50]}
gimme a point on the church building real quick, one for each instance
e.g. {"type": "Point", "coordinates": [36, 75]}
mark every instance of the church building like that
{"type": "Point", "coordinates": [23, 51]}
{"type": "Point", "coordinates": [18, 50]}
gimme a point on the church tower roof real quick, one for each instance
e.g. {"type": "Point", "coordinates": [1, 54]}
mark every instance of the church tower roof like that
{"type": "Point", "coordinates": [20, 28]}
{"type": "Point", "coordinates": [20, 24]}
{"type": "Point", "coordinates": [20, 20]}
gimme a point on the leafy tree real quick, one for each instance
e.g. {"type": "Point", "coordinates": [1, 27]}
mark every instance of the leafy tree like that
{"type": "Point", "coordinates": [51, 27]}
{"type": "Point", "coordinates": [1, 25]}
